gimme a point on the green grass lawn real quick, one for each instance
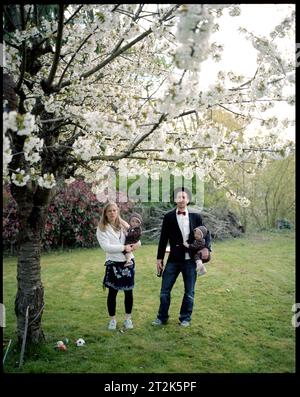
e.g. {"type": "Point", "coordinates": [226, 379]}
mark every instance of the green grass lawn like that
{"type": "Point", "coordinates": [241, 320]}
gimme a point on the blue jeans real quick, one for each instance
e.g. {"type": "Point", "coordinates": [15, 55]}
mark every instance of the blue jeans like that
{"type": "Point", "coordinates": [170, 274]}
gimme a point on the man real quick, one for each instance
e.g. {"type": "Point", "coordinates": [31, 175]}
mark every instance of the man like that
{"type": "Point", "coordinates": [177, 227]}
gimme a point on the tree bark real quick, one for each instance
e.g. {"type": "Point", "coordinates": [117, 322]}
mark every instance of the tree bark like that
{"type": "Point", "coordinates": [32, 210]}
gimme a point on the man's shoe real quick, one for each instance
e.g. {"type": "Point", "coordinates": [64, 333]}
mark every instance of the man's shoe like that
{"type": "Point", "coordinates": [112, 324]}
{"type": "Point", "coordinates": [128, 324]}
{"type": "Point", "coordinates": [184, 323]}
{"type": "Point", "coordinates": [157, 321]}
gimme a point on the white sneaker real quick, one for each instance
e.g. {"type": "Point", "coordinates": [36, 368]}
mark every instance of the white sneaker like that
{"type": "Point", "coordinates": [157, 321]}
{"type": "Point", "coordinates": [112, 324]}
{"type": "Point", "coordinates": [185, 323]}
{"type": "Point", "coordinates": [128, 324]}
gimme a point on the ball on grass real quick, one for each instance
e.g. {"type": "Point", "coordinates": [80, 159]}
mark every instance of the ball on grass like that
{"type": "Point", "coordinates": [60, 345]}
{"type": "Point", "coordinates": [80, 342]}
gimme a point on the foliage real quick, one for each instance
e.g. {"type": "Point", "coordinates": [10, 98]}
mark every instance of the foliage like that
{"type": "Point", "coordinates": [72, 218]}
{"type": "Point", "coordinates": [271, 192]}
{"type": "Point", "coordinates": [73, 215]}
{"type": "Point", "coordinates": [11, 224]}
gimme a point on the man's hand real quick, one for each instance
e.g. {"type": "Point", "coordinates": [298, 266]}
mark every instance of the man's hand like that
{"type": "Point", "coordinates": [205, 253]}
{"type": "Point", "coordinates": [186, 244]}
{"type": "Point", "coordinates": [159, 265]}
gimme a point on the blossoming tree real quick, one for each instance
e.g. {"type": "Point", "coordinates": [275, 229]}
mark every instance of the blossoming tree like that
{"type": "Point", "coordinates": [89, 87]}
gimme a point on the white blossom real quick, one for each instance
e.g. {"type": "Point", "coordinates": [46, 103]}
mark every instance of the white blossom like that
{"type": "Point", "coordinates": [115, 111]}
{"type": "Point", "coordinates": [46, 181]}
{"type": "Point", "coordinates": [7, 153]}
{"type": "Point", "coordinates": [32, 147]}
{"type": "Point", "coordinates": [19, 177]}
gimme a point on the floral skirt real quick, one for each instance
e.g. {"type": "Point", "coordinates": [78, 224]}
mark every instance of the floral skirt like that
{"type": "Point", "coordinates": [118, 276]}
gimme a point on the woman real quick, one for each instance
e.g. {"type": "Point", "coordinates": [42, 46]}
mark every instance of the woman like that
{"type": "Point", "coordinates": [111, 237]}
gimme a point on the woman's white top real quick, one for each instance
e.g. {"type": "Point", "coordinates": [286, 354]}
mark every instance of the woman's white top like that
{"type": "Point", "coordinates": [112, 242]}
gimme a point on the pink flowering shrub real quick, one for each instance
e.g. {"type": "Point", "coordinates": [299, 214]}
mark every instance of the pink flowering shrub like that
{"type": "Point", "coordinates": [10, 225]}
{"type": "Point", "coordinates": [72, 218]}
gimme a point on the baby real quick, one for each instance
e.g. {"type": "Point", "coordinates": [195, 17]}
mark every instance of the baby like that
{"type": "Point", "coordinates": [195, 248]}
{"type": "Point", "coordinates": [133, 234]}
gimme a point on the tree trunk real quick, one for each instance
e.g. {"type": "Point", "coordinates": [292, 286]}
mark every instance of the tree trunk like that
{"type": "Point", "coordinates": [32, 211]}
{"type": "Point", "coordinates": [30, 290]}
{"type": "Point", "coordinates": [32, 208]}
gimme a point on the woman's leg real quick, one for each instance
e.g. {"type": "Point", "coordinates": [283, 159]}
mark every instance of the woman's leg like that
{"type": "Point", "coordinates": [111, 301]}
{"type": "Point", "coordinates": [128, 302]}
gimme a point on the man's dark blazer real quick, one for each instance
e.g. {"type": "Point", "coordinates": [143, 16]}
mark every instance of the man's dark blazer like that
{"type": "Point", "coordinates": [170, 232]}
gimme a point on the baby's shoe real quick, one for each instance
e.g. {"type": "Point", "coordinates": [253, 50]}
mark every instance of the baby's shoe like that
{"type": "Point", "coordinates": [201, 270]}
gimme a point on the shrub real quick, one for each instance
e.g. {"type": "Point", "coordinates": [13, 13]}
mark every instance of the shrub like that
{"type": "Point", "coordinates": [10, 222]}
{"type": "Point", "coordinates": [72, 218]}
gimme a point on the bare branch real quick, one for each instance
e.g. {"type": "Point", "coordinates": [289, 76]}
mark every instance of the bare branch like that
{"type": "Point", "coordinates": [69, 63]}
{"type": "Point", "coordinates": [231, 111]}
{"type": "Point", "coordinates": [146, 158]}
{"type": "Point", "coordinates": [58, 46]}
{"type": "Point", "coordinates": [128, 152]}
{"type": "Point", "coordinates": [137, 14]}
{"type": "Point", "coordinates": [244, 84]}
{"type": "Point", "coordinates": [11, 44]}
{"type": "Point", "coordinates": [52, 120]}
{"type": "Point", "coordinates": [68, 20]}
{"type": "Point", "coordinates": [9, 17]}
{"type": "Point", "coordinates": [23, 65]}
{"type": "Point", "coordinates": [185, 113]}
{"type": "Point", "coordinates": [115, 7]}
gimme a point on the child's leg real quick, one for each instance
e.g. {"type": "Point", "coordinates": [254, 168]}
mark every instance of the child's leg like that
{"type": "Point", "coordinates": [200, 268]}
{"type": "Point", "coordinates": [128, 259]}
{"type": "Point", "coordinates": [197, 259]}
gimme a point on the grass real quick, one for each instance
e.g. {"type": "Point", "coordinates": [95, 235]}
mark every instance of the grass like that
{"type": "Point", "coordinates": [241, 321]}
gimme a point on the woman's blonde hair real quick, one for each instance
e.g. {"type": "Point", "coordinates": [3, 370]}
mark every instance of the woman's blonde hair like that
{"type": "Point", "coordinates": [119, 223]}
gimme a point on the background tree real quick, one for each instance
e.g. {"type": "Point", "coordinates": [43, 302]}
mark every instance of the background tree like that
{"type": "Point", "coordinates": [100, 86]}
{"type": "Point", "coordinates": [271, 192]}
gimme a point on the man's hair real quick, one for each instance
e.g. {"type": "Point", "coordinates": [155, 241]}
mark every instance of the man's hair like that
{"type": "Point", "coordinates": [182, 189]}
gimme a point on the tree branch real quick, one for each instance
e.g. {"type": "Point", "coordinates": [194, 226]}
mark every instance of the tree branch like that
{"type": "Point", "coordinates": [244, 84]}
{"type": "Point", "coordinates": [58, 46]}
{"type": "Point", "coordinates": [110, 58]}
{"type": "Point", "coordinates": [129, 151]}
{"type": "Point", "coordinates": [69, 19]}
{"type": "Point", "coordinates": [23, 65]}
{"type": "Point", "coordinates": [121, 50]}
{"type": "Point", "coordinates": [69, 63]}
